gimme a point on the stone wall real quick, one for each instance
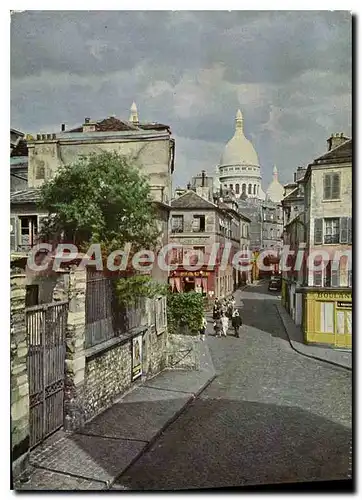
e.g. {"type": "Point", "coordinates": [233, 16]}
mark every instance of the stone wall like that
{"type": "Point", "coordinates": [19, 374]}
{"type": "Point", "coordinates": [183, 351]}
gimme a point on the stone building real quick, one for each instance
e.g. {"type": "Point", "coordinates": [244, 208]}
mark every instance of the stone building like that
{"type": "Point", "coordinates": [200, 220]}
{"type": "Point", "coordinates": [18, 161]}
{"type": "Point", "coordinates": [326, 229]}
{"type": "Point", "coordinates": [100, 359]}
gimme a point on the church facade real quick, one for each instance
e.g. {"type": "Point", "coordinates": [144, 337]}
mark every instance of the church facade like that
{"type": "Point", "coordinates": [239, 171]}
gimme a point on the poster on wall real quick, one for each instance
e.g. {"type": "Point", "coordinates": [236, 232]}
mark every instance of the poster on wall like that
{"type": "Point", "coordinates": [136, 357]}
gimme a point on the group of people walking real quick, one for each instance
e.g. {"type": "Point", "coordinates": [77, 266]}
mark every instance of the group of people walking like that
{"type": "Point", "coordinates": [223, 312]}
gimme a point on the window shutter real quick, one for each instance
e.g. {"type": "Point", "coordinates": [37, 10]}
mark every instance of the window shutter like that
{"type": "Point", "coordinates": [318, 231]}
{"type": "Point", "coordinates": [13, 233]}
{"type": "Point", "coordinates": [327, 186]}
{"type": "Point", "coordinates": [343, 230]}
{"type": "Point", "coordinates": [335, 186]}
{"type": "Point", "coordinates": [349, 230]}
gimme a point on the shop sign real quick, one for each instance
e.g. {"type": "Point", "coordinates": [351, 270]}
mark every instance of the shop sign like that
{"type": "Point", "coordinates": [195, 274]}
{"type": "Point", "coordinates": [136, 357]}
{"type": "Point", "coordinates": [331, 295]}
{"type": "Point", "coordinates": [344, 305]}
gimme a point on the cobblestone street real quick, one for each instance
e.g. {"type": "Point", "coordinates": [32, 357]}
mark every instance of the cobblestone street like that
{"type": "Point", "coordinates": [270, 416]}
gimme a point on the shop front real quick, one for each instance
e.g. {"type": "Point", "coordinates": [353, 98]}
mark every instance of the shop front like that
{"type": "Point", "coordinates": [192, 281]}
{"type": "Point", "coordinates": [327, 317]}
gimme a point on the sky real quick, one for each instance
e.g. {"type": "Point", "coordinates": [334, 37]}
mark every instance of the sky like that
{"type": "Point", "coordinates": [289, 72]}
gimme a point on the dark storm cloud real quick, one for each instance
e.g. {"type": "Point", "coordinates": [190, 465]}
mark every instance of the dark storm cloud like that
{"type": "Point", "coordinates": [290, 72]}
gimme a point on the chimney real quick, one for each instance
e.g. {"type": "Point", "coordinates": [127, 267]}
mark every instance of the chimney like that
{"type": "Point", "coordinates": [62, 128]}
{"type": "Point", "coordinates": [336, 140]}
{"type": "Point", "coordinates": [203, 178]}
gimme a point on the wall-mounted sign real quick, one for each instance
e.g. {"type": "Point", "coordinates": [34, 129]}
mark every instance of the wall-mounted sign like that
{"type": "Point", "coordinates": [191, 274]}
{"type": "Point", "coordinates": [136, 357]}
{"type": "Point", "coordinates": [333, 295]}
{"type": "Point", "coordinates": [344, 305]}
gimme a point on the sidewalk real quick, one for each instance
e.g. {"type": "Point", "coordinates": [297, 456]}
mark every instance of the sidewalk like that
{"type": "Point", "coordinates": [95, 457]}
{"type": "Point", "coordinates": [295, 335]}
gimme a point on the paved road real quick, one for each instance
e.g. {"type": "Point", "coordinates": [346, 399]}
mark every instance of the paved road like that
{"type": "Point", "coordinates": [270, 416]}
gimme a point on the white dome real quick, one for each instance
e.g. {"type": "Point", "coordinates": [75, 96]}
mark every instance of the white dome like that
{"type": "Point", "coordinates": [239, 151]}
{"type": "Point", "coordinates": [275, 191]}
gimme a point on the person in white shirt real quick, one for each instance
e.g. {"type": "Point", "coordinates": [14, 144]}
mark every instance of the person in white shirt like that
{"type": "Point", "coordinates": [225, 324]}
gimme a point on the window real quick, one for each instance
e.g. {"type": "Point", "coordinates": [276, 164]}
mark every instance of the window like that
{"type": "Point", "coordinates": [249, 189]}
{"type": "Point", "coordinates": [344, 322]}
{"type": "Point", "coordinates": [254, 188]}
{"type": "Point", "coordinates": [243, 188]}
{"type": "Point", "coordinates": [331, 231]}
{"type": "Point", "coordinates": [177, 224]}
{"type": "Point", "coordinates": [331, 186]}
{"type": "Point", "coordinates": [231, 187]}
{"type": "Point", "coordinates": [198, 224]}
{"type": "Point", "coordinates": [40, 170]}
{"type": "Point", "coordinates": [32, 295]}
{"type": "Point", "coordinates": [28, 230]}
{"type": "Point", "coordinates": [237, 188]}
{"type": "Point", "coordinates": [331, 276]}
{"type": "Point", "coordinates": [327, 319]}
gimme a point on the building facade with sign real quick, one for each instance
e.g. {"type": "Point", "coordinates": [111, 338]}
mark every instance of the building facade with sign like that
{"type": "Point", "coordinates": [210, 228]}
{"type": "Point", "coordinates": [327, 289]}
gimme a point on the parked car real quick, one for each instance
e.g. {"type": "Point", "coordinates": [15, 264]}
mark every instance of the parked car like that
{"type": "Point", "coordinates": [275, 283]}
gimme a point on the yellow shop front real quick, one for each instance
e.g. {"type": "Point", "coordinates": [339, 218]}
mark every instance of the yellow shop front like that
{"type": "Point", "coordinates": [327, 317]}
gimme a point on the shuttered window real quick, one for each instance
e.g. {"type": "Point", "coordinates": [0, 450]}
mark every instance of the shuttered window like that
{"type": "Point", "coordinates": [349, 231]}
{"type": "Point", "coordinates": [343, 233]}
{"type": "Point", "coordinates": [331, 186]}
{"type": "Point", "coordinates": [318, 231]}
{"type": "Point", "coordinates": [331, 231]}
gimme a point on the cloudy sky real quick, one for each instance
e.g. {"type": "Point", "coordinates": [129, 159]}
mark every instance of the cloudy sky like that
{"type": "Point", "coordinates": [289, 72]}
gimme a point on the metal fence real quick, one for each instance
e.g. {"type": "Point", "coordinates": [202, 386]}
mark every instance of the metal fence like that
{"type": "Point", "coordinates": [105, 317]}
{"type": "Point", "coordinates": [46, 327]}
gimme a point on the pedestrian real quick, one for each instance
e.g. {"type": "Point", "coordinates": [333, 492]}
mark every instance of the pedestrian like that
{"type": "Point", "coordinates": [216, 309]}
{"type": "Point", "coordinates": [232, 300]}
{"type": "Point", "coordinates": [218, 327]}
{"type": "Point", "coordinates": [230, 310]}
{"type": "Point", "coordinates": [203, 328]}
{"type": "Point", "coordinates": [225, 324]}
{"type": "Point", "coordinates": [236, 322]}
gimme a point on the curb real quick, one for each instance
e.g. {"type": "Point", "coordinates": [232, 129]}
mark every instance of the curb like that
{"type": "Point", "coordinates": [170, 421]}
{"type": "Point", "coordinates": [303, 353]}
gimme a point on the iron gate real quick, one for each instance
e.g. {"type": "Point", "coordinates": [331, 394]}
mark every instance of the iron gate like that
{"type": "Point", "coordinates": [46, 326]}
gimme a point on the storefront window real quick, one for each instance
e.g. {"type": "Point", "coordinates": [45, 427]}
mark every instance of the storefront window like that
{"type": "Point", "coordinates": [327, 320]}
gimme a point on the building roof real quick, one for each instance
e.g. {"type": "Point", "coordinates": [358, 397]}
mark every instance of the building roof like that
{"type": "Point", "coordinates": [30, 195]}
{"type": "Point", "coordinates": [20, 149]}
{"type": "Point", "coordinates": [239, 150]}
{"type": "Point", "coordinates": [341, 153]}
{"type": "Point", "coordinates": [192, 200]}
{"type": "Point", "coordinates": [113, 124]}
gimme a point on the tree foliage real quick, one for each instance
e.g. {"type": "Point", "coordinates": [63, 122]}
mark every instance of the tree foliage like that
{"type": "Point", "coordinates": [104, 199]}
{"type": "Point", "coordinates": [101, 198]}
{"type": "Point", "coordinates": [185, 312]}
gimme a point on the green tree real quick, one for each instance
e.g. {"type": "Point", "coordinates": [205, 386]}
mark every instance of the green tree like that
{"type": "Point", "coordinates": [185, 312]}
{"type": "Point", "coordinates": [102, 198]}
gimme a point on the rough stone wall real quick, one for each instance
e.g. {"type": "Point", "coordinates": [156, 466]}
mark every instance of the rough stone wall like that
{"type": "Point", "coordinates": [19, 374]}
{"type": "Point", "coordinates": [107, 375]}
{"type": "Point", "coordinates": [75, 354]}
{"type": "Point", "coordinates": [183, 352]}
